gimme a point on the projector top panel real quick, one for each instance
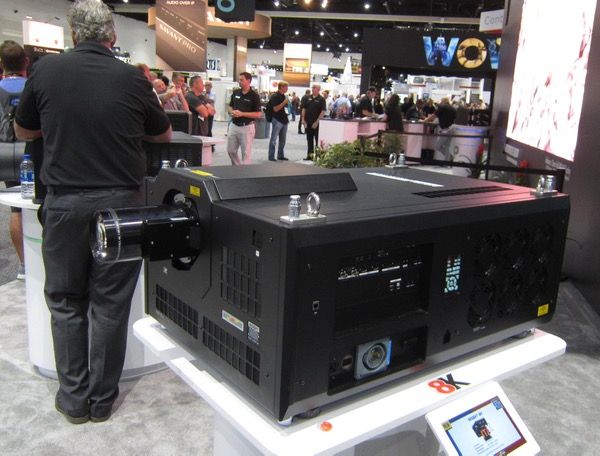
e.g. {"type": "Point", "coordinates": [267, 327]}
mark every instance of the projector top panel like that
{"type": "Point", "coordinates": [351, 194]}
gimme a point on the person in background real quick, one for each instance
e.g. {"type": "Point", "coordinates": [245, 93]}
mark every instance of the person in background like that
{"type": "Point", "coordinates": [302, 103]}
{"type": "Point", "coordinates": [313, 110]}
{"type": "Point", "coordinates": [176, 100]}
{"type": "Point", "coordinates": [200, 105]}
{"type": "Point", "coordinates": [212, 99]}
{"type": "Point", "coordinates": [445, 114]}
{"type": "Point", "coordinates": [244, 108]}
{"type": "Point", "coordinates": [369, 104]}
{"type": "Point", "coordinates": [150, 76]}
{"type": "Point", "coordinates": [406, 105]}
{"type": "Point", "coordinates": [93, 159]}
{"type": "Point", "coordinates": [428, 108]}
{"type": "Point", "coordinates": [341, 107]}
{"type": "Point", "coordinates": [294, 106]}
{"type": "Point", "coordinates": [393, 114]}
{"type": "Point", "coordinates": [279, 122]}
{"type": "Point", "coordinates": [14, 63]}
{"type": "Point", "coordinates": [415, 112]}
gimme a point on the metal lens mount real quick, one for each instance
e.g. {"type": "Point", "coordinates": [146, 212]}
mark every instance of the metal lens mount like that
{"type": "Point", "coordinates": [152, 232]}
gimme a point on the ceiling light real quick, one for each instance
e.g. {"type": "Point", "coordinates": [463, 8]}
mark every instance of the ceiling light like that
{"type": "Point", "coordinates": [125, 1]}
{"type": "Point", "coordinates": [347, 49]}
{"type": "Point", "coordinates": [307, 2]}
{"type": "Point", "coordinates": [327, 49]}
{"type": "Point", "coordinates": [355, 34]}
{"type": "Point", "coordinates": [340, 45]}
{"type": "Point", "coordinates": [276, 3]}
{"type": "Point", "coordinates": [296, 32]}
{"type": "Point", "coordinates": [322, 33]}
{"type": "Point", "coordinates": [318, 45]}
{"type": "Point", "coordinates": [324, 4]}
{"type": "Point", "coordinates": [367, 6]}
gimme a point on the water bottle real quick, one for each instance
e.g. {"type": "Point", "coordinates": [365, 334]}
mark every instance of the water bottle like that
{"type": "Point", "coordinates": [294, 206]}
{"type": "Point", "coordinates": [26, 176]}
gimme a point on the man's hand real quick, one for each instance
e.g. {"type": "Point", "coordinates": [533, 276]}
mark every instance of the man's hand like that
{"type": "Point", "coordinates": [315, 125]}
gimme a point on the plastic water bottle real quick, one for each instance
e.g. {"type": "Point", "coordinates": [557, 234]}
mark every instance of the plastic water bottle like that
{"type": "Point", "coordinates": [27, 178]}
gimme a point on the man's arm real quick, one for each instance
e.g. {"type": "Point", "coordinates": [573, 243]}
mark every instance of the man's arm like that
{"type": "Point", "coordinates": [162, 138]}
{"type": "Point", "coordinates": [281, 105]}
{"type": "Point", "coordinates": [26, 135]}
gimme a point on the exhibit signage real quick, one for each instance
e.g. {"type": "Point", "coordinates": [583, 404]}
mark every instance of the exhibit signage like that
{"type": "Point", "coordinates": [491, 21]}
{"type": "Point", "coordinates": [235, 10]}
{"type": "Point", "coordinates": [444, 50]}
{"type": "Point", "coordinates": [296, 63]}
{"type": "Point", "coordinates": [181, 34]}
{"type": "Point", "coordinates": [44, 35]}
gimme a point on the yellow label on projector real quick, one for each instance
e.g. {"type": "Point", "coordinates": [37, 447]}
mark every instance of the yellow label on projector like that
{"type": "Point", "coordinates": [201, 173]}
{"type": "Point", "coordinates": [543, 310]}
{"type": "Point", "coordinates": [194, 190]}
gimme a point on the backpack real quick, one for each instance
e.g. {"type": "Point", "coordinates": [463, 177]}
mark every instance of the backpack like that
{"type": "Point", "coordinates": [8, 108]}
{"type": "Point", "coordinates": [269, 111]}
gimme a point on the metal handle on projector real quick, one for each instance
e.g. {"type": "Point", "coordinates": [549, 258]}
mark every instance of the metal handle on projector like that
{"type": "Point", "coordinates": [153, 232]}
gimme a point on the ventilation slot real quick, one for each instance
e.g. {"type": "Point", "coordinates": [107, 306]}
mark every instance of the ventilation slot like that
{"type": "Point", "coordinates": [461, 191]}
{"type": "Point", "coordinates": [177, 311]}
{"type": "Point", "coordinates": [240, 281]}
{"type": "Point", "coordinates": [231, 350]}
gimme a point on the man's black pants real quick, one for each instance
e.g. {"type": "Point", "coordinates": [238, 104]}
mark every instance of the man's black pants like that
{"type": "Point", "coordinates": [89, 302]}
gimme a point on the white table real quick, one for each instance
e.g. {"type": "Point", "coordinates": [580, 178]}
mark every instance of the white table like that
{"type": "Point", "coordinates": [242, 430]}
{"type": "Point", "coordinates": [207, 145]}
{"type": "Point", "coordinates": [139, 360]}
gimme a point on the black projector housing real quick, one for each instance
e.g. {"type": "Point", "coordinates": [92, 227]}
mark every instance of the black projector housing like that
{"type": "Point", "coordinates": [409, 269]}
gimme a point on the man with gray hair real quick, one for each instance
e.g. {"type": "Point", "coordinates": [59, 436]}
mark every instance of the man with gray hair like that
{"type": "Point", "coordinates": [93, 159]}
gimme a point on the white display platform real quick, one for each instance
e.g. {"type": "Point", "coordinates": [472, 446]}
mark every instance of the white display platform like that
{"type": "Point", "coordinates": [138, 359]}
{"type": "Point", "coordinates": [207, 143]}
{"type": "Point", "coordinates": [241, 429]}
{"type": "Point", "coordinates": [336, 131]}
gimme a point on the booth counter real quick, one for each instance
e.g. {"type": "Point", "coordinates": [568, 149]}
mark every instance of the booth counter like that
{"type": "Point", "coordinates": [139, 360]}
{"type": "Point", "coordinates": [336, 131]}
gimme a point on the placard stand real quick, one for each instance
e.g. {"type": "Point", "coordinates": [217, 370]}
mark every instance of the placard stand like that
{"type": "Point", "coordinates": [242, 429]}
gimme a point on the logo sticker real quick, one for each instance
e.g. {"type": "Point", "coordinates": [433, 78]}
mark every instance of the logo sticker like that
{"type": "Point", "coordinates": [233, 321]}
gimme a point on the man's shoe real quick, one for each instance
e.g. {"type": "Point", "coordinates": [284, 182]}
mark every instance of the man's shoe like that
{"type": "Point", "coordinates": [71, 417]}
{"type": "Point", "coordinates": [282, 158]}
{"type": "Point", "coordinates": [101, 419]}
{"type": "Point", "coordinates": [272, 160]}
{"type": "Point", "coordinates": [21, 272]}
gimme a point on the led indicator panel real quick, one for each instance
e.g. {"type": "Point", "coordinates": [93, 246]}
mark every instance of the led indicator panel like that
{"type": "Point", "coordinates": [453, 272]}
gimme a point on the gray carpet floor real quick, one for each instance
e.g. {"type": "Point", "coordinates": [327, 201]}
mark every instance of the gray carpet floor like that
{"type": "Point", "coordinates": [158, 414]}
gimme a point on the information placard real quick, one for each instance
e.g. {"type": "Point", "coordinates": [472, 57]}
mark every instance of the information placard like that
{"type": "Point", "coordinates": [482, 422]}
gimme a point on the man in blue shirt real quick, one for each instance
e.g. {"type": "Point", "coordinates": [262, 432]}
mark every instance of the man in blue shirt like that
{"type": "Point", "coordinates": [14, 63]}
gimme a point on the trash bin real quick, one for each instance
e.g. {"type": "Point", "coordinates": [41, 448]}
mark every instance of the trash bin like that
{"type": "Point", "coordinates": [262, 127]}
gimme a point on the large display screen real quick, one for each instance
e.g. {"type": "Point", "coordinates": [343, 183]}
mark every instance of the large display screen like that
{"type": "Point", "coordinates": [550, 71]}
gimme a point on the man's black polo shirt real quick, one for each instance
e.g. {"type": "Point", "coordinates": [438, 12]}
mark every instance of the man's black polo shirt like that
{"type": "Point", "coordinates": [93, 111]}
{"type": "Point", "coordinates": [313, 106]}
{"type": "Point", "coordinates": [281, 115]}
{"type": "Point", "coordinates": [245, 102]}
{"type": "Point", "coordinates": [446, 115]}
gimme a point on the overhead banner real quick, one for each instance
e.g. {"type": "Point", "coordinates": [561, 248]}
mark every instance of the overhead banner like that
{"type": "Point", "coordinates": [437, 50]}
{"type": "Point", "coordinates": [235, 10]}
{"type": "Point", "coordinates": [296, 63]}
{"type": "Point", "coordinates": [181, 35]}
{"type": "Point", "coordinates": [43, 35]}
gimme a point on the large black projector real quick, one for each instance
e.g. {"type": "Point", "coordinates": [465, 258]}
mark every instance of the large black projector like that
{"type": "Point", "coordinates": [402, 270]}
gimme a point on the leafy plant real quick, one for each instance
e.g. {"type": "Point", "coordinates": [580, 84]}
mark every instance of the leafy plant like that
{"type": "Point", "coordinates": [349, 155]}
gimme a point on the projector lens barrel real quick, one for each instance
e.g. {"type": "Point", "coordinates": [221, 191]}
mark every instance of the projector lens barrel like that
{"type": "Point", "coordinates": [130, 234]}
